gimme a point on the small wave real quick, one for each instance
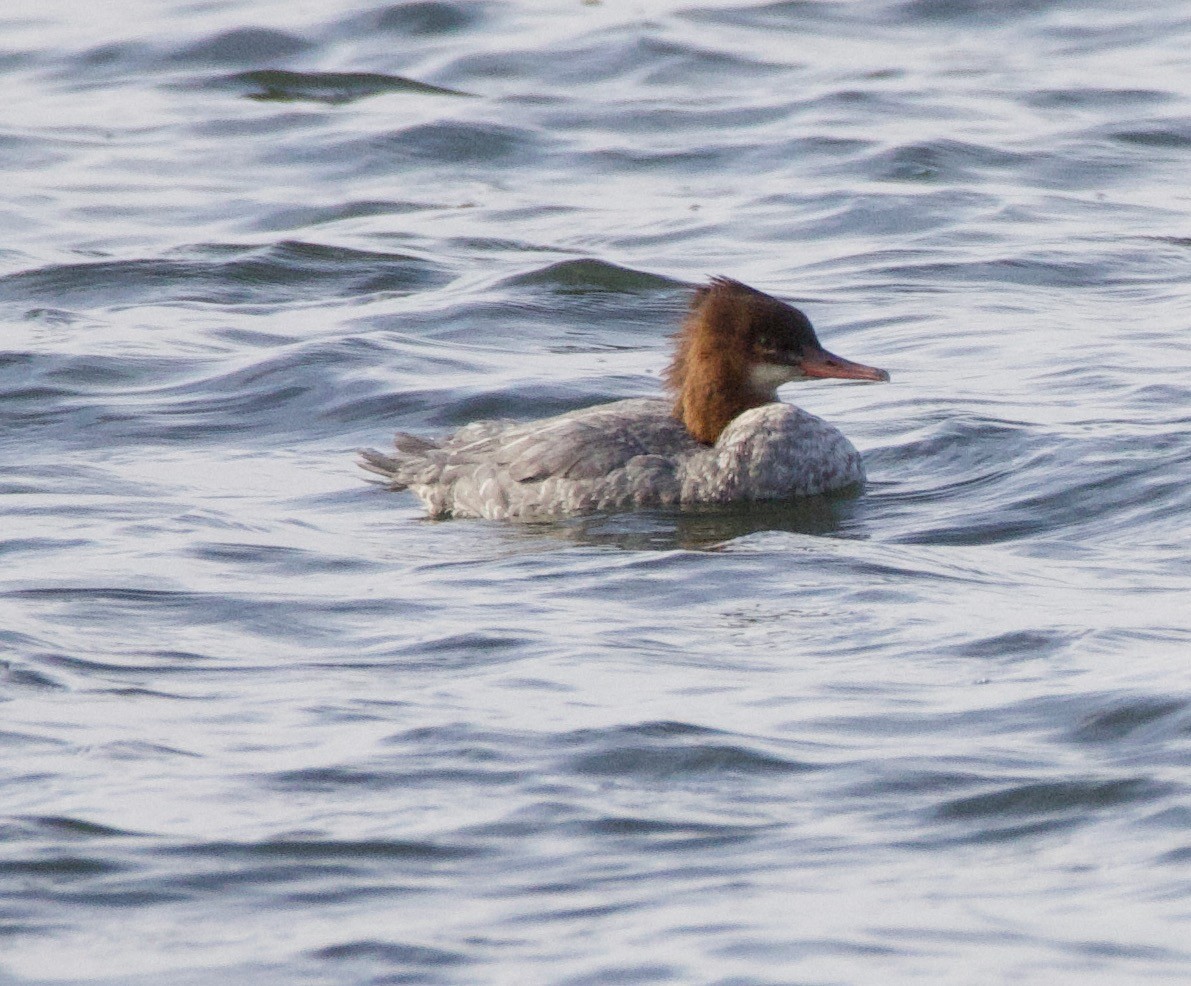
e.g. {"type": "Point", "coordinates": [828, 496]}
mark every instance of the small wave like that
{"type": "Point", "coordinates": [1052, 798]}
{"type": "Point", "coordinates": [419, 18]}
{"type": "Point", "coordinates": [392, 955]}
{"type": "Point", "coordinates": [67, 827]}
{"type": "Point", "coordinates": [973, 10]}
{"type": "Point", "coordinates": [1020, 644]}
{"type": "Point", "coordinates": [276, 274]}
{"type": "Point", "coordinates": [60, 866]}
{"type": "Point", "coordinates": [673, 834]}
{"type": "Point", "coordinates": [13, 546]}
{"type": "Point", "coordinates": [302, 216]}
{"type": "Point", "coordinates": [1135, 719]}
{"type": "Point", "coordinates": [1156, 135]}
{"type": "Point", "coordinates": [1094, 97]}
{"type": "Point", "coordinates": [591, 274]}
{"type": "Point", "coordinates": [244, 45]}
{"type": "Point", "coordinates": [279, 559]}
{"type": "Point", "coordinates": [16, 676]}
{"type": "Point", "coordinates": [673, 750]}
{"type": "Point", "coordinates": [353, 853]}
{"type": "Point", "coordinates": [30, 742]}
{"type": "Point", "coordinates": [468, 143]}
{"type": "Point", "coordinates": [686, 761]}
{"type": "Point", "coordinates": [944, 161]}
{"type": "Point", "coordinates": [280, 86]}
{"type": "Point", "coordinates": [441, 772]}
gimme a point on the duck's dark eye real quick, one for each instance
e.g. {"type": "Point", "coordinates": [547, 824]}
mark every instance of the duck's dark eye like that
{"type": "Point", "coordinates": [773, 350]}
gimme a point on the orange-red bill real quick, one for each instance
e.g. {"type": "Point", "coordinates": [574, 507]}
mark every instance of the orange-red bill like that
{"type": "Point", "coordinates": [823, 364]}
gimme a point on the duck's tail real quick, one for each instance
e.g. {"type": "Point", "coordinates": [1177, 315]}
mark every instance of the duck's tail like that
{"type": "Point", "coordinates": [384, 466]}
{"type": "Point", "coordinates": [401, 469]}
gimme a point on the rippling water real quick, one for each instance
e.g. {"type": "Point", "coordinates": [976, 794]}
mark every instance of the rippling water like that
{"type": "Point", "coordinates": [261, 722]}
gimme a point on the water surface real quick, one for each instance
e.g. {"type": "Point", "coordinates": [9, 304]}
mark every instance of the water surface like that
{"type": "Point", "coordinates": [263, 722]}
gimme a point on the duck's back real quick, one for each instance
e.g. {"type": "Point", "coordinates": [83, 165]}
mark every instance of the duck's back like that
{"type": "Point", "coordinates": [609, 457]}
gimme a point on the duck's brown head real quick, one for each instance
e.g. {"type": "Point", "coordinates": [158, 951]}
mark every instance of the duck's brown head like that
{"type": "Point", "coordinates": [736, 347]}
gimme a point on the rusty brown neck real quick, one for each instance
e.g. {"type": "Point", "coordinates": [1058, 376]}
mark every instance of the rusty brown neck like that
{"type": "Point", "coordinates": [709, 377]}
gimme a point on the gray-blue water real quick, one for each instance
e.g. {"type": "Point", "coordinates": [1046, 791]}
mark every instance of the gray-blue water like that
{"type": "Point", "coordinates": [261, 722]}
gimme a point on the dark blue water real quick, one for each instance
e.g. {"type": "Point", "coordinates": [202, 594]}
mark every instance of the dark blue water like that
{"type": "Point", "coordinates": [261, 722]}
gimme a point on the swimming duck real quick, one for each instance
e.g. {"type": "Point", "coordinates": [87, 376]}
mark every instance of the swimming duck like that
{"type": "Point", "coordinates": [722, 437]}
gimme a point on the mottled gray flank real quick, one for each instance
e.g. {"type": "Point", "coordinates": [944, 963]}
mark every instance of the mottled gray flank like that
{"type": "Point", "coordinates": [618, 456]}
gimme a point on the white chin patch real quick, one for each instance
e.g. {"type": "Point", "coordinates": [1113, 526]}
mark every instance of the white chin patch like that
{"type": "Point", "coordinates": [767, 377]}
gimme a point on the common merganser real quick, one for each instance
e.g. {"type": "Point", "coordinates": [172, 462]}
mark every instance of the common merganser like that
{"type": "Point", "coordinates": [723, 438]}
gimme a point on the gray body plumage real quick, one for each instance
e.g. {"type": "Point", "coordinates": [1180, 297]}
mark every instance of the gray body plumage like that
{"type": "Point", "coordinates": [620, 456]}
